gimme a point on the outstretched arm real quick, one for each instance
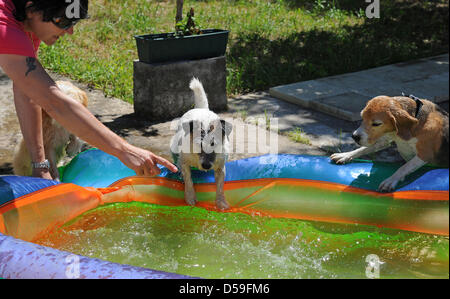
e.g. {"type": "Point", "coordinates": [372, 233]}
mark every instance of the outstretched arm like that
{"type": "Point", "coordinates": [30, 120]}
{"type": "Point", "coordinates": [31, 78]}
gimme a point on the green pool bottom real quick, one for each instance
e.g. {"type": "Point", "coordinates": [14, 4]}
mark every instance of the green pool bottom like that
{"type": "Point", "coordinates": [196, 242]}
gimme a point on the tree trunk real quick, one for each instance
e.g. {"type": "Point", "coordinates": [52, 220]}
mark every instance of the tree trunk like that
{"type": "Point", "coordinates": [179, 15]}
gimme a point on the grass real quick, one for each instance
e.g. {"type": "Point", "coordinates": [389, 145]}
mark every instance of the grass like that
{"type": "Point", "coordinates": [298, 135]}
{"type": "Point", "coordinates": [243, 114]}
{"type": "Point", "coordinates": [267, 119]}
{"type": "Point", "coordinates": [272, 42]}
{"type": "Point", "coordinates": [338, 147]}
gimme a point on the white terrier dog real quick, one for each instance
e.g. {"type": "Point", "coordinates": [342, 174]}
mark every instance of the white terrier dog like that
{"type": "Point", "coordinates": [201, 141]}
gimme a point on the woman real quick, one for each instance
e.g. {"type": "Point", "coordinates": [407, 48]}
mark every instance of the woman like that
{"type": "Point", "coordinates": [23, 25]}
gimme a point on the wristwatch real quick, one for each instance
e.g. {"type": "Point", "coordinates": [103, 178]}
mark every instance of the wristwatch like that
{"type": "Point", "coordinates": [41, 165]}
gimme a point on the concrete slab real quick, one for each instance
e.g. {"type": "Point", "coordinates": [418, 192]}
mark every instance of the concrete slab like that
{"type": "Point", "coordinates": [441, 59]}
{"type": "Point", "coordinates": [344, 96]}
{"type": "Point", "coordinates": [423, 68]}
{"type": "Point", "coordinates": [304, 93]}
{"type": "Point", "coordinates": [359, 83]}
{"type": "Point", "coordinates": [346, 106]}
{"type": "Point", "coordinates": [434, 88]}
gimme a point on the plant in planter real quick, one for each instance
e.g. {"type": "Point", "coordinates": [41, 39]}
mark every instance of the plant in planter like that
{"type": "Point", "coordinates": [187, 27]}
{"type": "Point", "coordinates": [188, 42]}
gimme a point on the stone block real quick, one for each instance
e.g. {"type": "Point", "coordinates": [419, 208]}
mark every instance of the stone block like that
{"type": "Point", "coordinates": [161, 90]}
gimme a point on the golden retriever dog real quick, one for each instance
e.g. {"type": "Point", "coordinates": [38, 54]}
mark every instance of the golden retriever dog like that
{"type": "Point", "coordinates": [57, 140]}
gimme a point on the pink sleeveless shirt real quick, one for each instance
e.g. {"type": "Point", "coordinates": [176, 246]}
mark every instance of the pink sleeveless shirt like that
{"type": "Point", "coordinates": [13, 38]}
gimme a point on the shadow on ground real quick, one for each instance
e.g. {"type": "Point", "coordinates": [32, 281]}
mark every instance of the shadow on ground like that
{"type": "Point", "coordinates": [123, 124]}
{"type": "Point", "coordinates": [407, 30]}
{"type": "Point", "coordinates": [6, 169]}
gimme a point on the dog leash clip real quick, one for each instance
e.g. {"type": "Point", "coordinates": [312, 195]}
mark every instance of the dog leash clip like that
{"type": "Point", "coordinates": [411, 97]}
{"type": "Point", "coordinates": [418, 102]}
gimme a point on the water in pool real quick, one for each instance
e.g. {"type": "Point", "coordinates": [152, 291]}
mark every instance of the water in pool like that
{"type": "Point", "coordinates": [201, 243]}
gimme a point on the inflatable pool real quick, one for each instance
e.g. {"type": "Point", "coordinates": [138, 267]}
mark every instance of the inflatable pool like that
{"type": "Point", "coordinates": [286, 186]}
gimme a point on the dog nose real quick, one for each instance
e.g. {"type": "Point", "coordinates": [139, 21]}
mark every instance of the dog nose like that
{"type": "Point", "coordinates": [206, 165]}
{"type": "Point", "coordinates": [356, 137]}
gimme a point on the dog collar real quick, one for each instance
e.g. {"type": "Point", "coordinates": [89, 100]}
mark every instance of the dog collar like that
{"type": "Point", "coordinates": [419, 103]}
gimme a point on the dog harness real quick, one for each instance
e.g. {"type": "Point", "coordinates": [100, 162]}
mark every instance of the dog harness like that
{"type": "Point", "coordinates": [419, 103]}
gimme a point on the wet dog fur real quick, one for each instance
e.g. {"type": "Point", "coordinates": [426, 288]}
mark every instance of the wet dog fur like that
{"type": "Point", "coordinates": [202, 141]}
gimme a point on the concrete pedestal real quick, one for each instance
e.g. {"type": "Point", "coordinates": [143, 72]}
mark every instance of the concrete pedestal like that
{"type": "Point", "coordinates": [161, 91]}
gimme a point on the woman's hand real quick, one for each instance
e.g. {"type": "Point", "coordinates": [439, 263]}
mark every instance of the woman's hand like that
{"type": "Point", "coordinates": [144, 162]}
{"type": "Point", "coordinates": [42, 173]}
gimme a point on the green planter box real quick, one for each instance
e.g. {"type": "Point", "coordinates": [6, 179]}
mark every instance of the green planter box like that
{"type": "Point", "coordinates": [164, 47]}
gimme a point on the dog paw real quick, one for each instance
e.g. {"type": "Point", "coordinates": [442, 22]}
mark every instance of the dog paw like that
{"type": "Point", "coordinates": [388, 185]}
{"type": "Point", "coordinates": [341, 158]}
{"type": "Point", "coordinates": [222, 204]}
{"type": "Point", "coordinates": [191, 200]}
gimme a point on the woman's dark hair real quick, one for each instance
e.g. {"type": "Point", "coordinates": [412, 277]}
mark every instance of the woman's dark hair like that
{"type": "Point", "coordinates": [49, 8]}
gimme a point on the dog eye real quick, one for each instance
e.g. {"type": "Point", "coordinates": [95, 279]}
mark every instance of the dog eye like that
{"type": "Point", "coordinates": [376, 124]}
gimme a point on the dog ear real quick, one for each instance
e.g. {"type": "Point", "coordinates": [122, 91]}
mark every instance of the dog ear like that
{"type": "Point", "coordinates": [403, 123]}
{"type": "Point", "coordinates": [188, 127]}
{"type": "Point", "coordinates": [226, 127]}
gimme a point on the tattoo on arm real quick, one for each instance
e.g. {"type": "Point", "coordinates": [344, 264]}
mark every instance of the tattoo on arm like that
{"type": "Point", "coordinates": [31, 64]}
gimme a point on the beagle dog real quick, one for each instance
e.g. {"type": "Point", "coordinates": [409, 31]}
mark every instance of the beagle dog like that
{"type": "Point", "coordinates": [418, 127]}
